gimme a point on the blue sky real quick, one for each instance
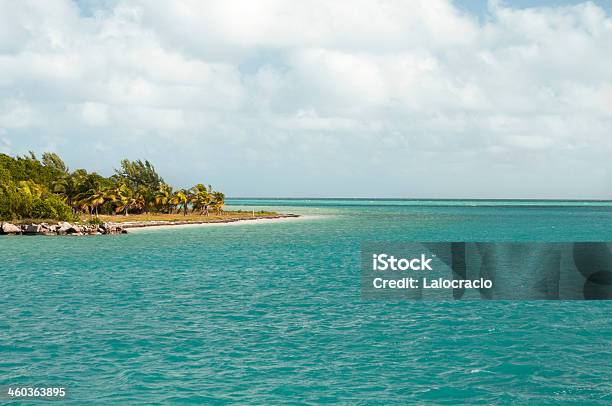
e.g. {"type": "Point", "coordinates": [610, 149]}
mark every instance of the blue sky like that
{"type": "Point", "coordinates": [394, 98]}
{"type": "Point", "coordinates": [480, 7]}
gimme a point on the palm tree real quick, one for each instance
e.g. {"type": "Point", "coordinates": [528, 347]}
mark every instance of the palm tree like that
{"type": "Point", "coordinates": [94, 195]}
{"type": "Point", "coordinates": [69, 186]}
{"type": "Point", "coordinates": [218, 200]}
{"type": "Point", "coordinates": [128, 199]}
{"type": "Point", "coordinates": [99, 196]}
{"type": "Point", "coordinates": [181, 198]}
{"type": "Point", "coordinates": [84, 205]}
{"type": "Point", "coordinates": [163, 197]}
{"type": "Point", "coordinates": [201, 198]}
{"type": "Point", "coordinates": [147, 195]}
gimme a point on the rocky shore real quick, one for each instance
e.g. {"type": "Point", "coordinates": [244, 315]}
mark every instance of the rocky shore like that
{"type": "Point", "coordinates": [63, 228]}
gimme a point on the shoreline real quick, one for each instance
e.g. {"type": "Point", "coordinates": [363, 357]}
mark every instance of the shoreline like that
{"type": "Point", "coordinates": [159, 224]}
{"type": "Point", "coordinates": [111, 227]}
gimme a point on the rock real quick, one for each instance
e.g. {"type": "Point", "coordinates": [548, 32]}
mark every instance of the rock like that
{"type": "Point", "coordinates": [32, 229]}
{"type": "Point", "coordinates": [109, 228]}
{"type": "Point", "coordinates": [48, 229]}
{"type": "Point", "coordinates": [67, 228]}
{"type": "Point", "coordinates": [64, 226]}
{"type": "Point", "coordinates": [74, 230]}
{"type": "Point", "coordinates": [8, 228]}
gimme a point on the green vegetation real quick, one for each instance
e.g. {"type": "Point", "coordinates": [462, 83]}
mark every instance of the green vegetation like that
{"type": "Point", "coordinates": [45, 189]}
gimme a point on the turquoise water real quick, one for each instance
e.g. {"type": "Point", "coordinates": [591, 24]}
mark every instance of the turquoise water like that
{"type": "Point", "coordinates": [271, 313]}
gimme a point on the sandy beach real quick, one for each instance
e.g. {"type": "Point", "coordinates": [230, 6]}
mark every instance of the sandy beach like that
{"type": "Point", "coordinates": [160, 225]}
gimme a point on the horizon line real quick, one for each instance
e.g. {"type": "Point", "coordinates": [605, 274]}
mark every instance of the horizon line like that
{"type": "Point", "coordinates": [419, 199]}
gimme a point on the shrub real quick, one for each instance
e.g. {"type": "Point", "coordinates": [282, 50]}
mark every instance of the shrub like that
{"type": "Point", "coordinates": [62, 210]}
{"type": "Point", "coordinates": [42, 209]}
{"type": "Point", "coordinates": [13, 205]}
{"type": "Point", "coordinates": [95, 221]}
{"type": "Point", "coordinates": [52, 207]}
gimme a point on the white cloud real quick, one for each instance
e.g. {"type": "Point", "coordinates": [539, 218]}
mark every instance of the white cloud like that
{"type": "Point", "coordinates": [413, 98]}
{"type": "Point", "coordinates": [95, 114]}
{"type": "Point", "coordinates": [15, 114]}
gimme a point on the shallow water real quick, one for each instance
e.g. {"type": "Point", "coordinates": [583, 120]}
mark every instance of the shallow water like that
{"type": "Point", "coordinates": [272, 313]}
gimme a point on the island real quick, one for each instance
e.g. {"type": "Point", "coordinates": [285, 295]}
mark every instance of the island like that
{"type": "Point", "coordinates": [43, 197]}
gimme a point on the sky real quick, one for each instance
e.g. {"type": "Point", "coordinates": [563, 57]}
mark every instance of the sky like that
{"type": "Point", "coordinates": [410, 99]}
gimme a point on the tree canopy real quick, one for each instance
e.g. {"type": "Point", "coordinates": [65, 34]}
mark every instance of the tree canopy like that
{"type": "Point", "coordinates": [45, 189]}
{"type": "Point", "coordinates": [139, 173]}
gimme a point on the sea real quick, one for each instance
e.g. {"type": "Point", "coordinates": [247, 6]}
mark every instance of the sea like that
{"type": "Point", "coordinates": [271, 312]}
